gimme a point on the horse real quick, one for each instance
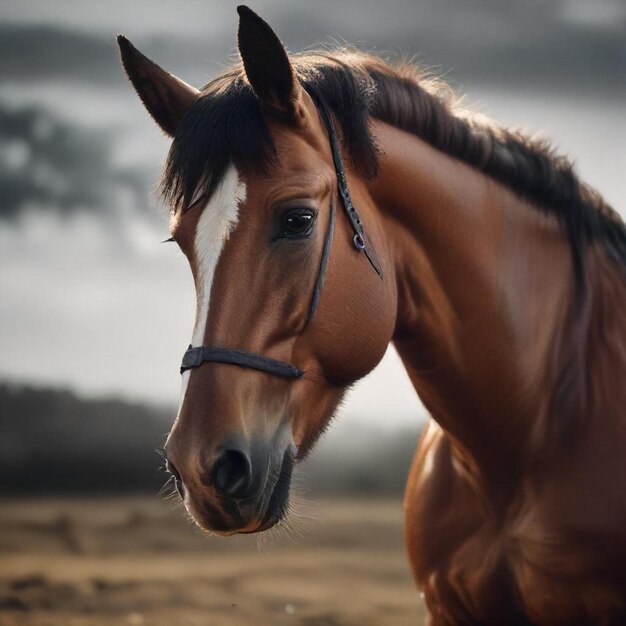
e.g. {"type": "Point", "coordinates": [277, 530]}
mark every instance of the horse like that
{"type": "Point", "coordinates": [330, 203]}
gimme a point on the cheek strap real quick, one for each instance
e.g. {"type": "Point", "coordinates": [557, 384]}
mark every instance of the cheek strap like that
{"type": "Point", "coordinates": [321, 274]}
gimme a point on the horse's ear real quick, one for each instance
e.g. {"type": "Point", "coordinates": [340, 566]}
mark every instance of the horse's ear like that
{"type": "Point", "coordinates": [268, 69]}
{"type": "Point", "coordinates": [166, 97]}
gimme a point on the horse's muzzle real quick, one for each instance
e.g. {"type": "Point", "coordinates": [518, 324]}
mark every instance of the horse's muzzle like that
{"type": "Point", "coordinates": [243, 487]}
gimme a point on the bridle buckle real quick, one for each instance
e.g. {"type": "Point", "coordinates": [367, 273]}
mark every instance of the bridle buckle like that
{"type": "Point", "coordinates": [358, 241]}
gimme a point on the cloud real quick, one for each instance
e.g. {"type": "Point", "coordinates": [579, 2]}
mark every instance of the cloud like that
{"type": "Point", "coordinates": [504, 43]}
{"type": "Point", "coordinates": [47, 163]}
{"type": "Point", "coordinates": [52, 53]}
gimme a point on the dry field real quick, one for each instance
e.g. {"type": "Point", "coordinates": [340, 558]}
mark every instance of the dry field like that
{"type": "Point", "coordinates": [134, 561]}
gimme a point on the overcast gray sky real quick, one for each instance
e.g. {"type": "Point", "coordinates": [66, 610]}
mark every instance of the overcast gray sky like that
{"type": "Point", "coordinates": [89, 299]}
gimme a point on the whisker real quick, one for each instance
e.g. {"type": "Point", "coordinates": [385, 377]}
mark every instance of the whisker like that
{"type": "Point", "coordinates": [167, 486]}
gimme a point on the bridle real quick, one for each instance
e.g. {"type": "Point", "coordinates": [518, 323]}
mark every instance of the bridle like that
{"type": "Point", "coordinates": [194, 357]}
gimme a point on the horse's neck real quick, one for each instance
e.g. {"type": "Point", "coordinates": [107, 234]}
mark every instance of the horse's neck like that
{"type": "Point", "coordinates": [485, 284]}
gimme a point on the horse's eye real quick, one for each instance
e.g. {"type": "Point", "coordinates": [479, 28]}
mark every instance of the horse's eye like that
{"type": "Point", "coordinates": [298, 223]}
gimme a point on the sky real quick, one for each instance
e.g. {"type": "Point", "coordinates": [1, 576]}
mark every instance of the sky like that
{"type": "Point", "coordinates": [88, 297]}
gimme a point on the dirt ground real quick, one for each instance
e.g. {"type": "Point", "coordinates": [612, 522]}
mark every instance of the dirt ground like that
{"type": "Point", "coordinates": [137, 561]}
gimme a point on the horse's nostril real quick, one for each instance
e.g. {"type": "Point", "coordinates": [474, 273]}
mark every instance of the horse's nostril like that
{"type": "Point", "coordinates": [232, 474]}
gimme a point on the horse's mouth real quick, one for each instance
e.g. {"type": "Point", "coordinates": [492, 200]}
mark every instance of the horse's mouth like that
{"type": "Point", "coordinates": [228, 517]}
{"type": "Point", "coordinates": [278, 503]}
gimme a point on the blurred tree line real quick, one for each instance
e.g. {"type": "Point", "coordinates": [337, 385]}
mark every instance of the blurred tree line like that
{"type": "Point", "coordinates": [53, 442]}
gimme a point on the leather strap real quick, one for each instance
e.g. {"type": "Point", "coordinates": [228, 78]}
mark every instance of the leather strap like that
{"type": "Point", "coordinates": [360, 239]}
{"type": "Point", "coordinates": [194, 357]}
{"type": "Point", "coordinates": [321, 275]}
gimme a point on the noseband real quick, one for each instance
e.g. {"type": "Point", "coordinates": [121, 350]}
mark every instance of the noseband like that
{"type": "Point", "coordinates": [194, 357]}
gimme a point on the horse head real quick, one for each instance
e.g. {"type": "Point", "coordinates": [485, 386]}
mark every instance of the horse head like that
{"type": "Point", "coordinates": [281, 272]}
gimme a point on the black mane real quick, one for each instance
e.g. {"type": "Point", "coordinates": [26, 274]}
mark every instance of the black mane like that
{"type": "Point", "coordinates": [225, 125]}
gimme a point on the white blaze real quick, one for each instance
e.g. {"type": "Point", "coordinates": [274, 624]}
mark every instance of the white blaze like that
{"type": "Point", "coordinates": [219, 218]}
